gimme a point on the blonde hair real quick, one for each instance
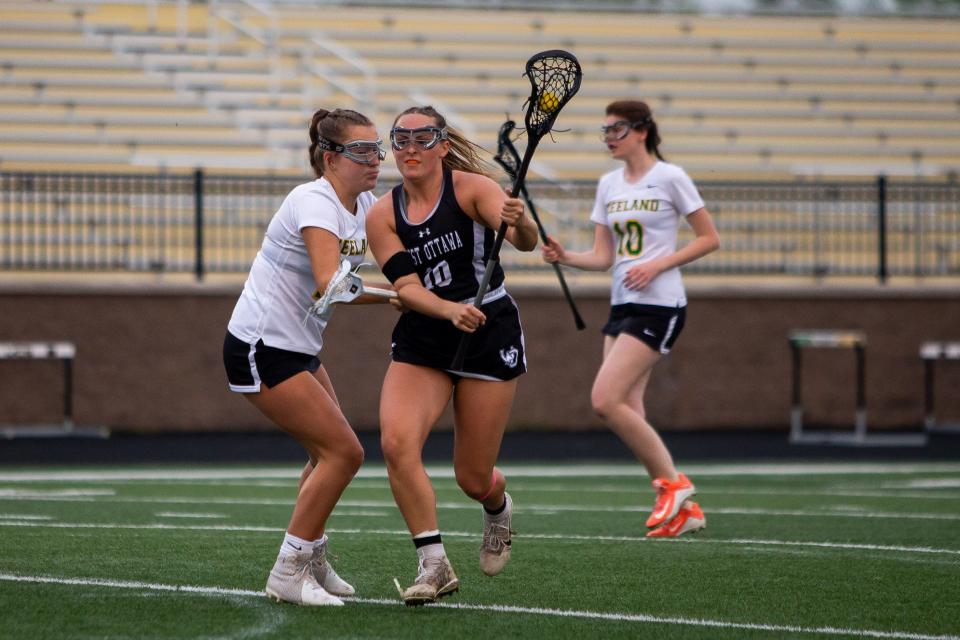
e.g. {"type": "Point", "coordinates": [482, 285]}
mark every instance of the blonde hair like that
{"type": "Point", "coordinates": [463, 155]}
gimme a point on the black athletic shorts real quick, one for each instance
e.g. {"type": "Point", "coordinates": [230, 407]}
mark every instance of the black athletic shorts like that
{"type": "Point", "coordinates": [495, 351]}
{"type": "Point", "coordinates": [249, 365]}
{"type": "Point", "coordinates": [655, 326]}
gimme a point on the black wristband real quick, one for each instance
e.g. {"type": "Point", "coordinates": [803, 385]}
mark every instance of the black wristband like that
{"type": "Point", "coordinates": [400, 264]}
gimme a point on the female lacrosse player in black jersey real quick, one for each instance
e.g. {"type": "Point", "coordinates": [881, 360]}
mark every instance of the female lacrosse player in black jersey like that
{"type": "Point", "coordinates": [431, 236]}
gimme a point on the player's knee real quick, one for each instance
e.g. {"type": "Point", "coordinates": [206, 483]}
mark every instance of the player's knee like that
{"type": "Point", "coordinates": [602, 402]}
{"type": "Point", "coordinates": [346, 455]}
{"type": "Point", "coordinates": [474, 485]}
{"type": "Point", "coordinates": [396, 447]}
{"type": "Point", "coordinates": [351, 456]}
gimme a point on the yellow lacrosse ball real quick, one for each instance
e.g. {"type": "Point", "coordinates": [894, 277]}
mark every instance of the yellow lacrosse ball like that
{"type": "Point", "coordinates": [548, 102]}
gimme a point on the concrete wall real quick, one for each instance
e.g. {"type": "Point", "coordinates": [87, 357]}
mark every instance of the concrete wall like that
{"type": "Point", "coordinates": [149, 357]}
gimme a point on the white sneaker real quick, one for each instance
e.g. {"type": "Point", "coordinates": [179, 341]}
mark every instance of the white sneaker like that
{"type": "Point", "coordinates": [324, 574]}
{"type": "Point", "coordinates": [495, 548]}
{"type": "Point", "coordinates": [292, 581]}
{"type": "Point", "coordinates": [435, 579]}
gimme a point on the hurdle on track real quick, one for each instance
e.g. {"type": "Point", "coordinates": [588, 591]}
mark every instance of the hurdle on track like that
{"type": "Point", "coordinates": [65, 352]}
{"type": "Point", "coordinates": [839, 339]}
{"type": "Point", "coordinates": [930, 353]}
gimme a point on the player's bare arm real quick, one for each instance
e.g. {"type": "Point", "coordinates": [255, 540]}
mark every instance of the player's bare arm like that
{"type": "Point", "coordinates": [487, 203]}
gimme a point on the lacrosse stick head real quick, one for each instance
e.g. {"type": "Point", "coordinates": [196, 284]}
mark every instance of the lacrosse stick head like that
{"type": "Point", "coordinates": [507, 156]}
{"type": "Point", "coordinates": [554, 77]}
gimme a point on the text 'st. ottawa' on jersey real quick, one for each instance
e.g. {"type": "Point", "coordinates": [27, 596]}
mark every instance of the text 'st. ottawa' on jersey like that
{"type": "Point", "coordinates": [449, 249]}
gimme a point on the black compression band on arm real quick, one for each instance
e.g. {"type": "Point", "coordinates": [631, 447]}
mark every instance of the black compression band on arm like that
{"type": "Point", "coordinates": [400, 264]}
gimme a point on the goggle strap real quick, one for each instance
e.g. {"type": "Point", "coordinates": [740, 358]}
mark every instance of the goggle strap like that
{"type": "Point", "coordinates": [329, 145]}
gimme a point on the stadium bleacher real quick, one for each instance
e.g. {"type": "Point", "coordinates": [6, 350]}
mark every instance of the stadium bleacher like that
{"type": "Point", "coordinates": [144, 88]}
{"type": "Point", "coordinates": [230, 85]}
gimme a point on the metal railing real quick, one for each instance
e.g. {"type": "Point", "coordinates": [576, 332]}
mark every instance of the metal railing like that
{"type": "Point", "coordinates": [199, 223]}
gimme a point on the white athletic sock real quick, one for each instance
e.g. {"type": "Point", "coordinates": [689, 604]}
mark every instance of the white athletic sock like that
{"type": "Point", "coordinates": [320, 540]}
{"type": "Point", "coordinates": [293, 544]}
{"type": "Point", "coordinates": [433, 550]}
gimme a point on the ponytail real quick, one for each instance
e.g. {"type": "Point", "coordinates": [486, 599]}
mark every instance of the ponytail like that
{"type": "Point", "coordinates": [330, 126]}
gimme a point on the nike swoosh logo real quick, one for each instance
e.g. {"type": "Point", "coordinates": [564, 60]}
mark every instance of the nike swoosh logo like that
{"type": "Point", "coordinates": [650, 333]}
{"type": "Point", "coordinates": [295, 546]}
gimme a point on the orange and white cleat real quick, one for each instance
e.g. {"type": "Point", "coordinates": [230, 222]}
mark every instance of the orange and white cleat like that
{"type": "Point", "coordinates": [689, 519]}
{"type": "Point", "coordinates": [670, 496]}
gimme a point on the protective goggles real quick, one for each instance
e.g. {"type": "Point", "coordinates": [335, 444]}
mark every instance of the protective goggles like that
{"type": "Point", "coordinates": [424, 137]}
{"type": "Point", "coordinates": [618, 130]}
{"type": "Point", "coordinates": [360, 151]}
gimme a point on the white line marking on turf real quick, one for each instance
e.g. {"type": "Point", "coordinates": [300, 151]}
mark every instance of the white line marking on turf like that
{"type": "Point", "coordinates": [19, 516]}
{"type": "Point", "coordinates": [536, 611]}
{"type": "Point", "coordinates": [178, 514]}
{"type": "Point", "coordinates": [469, 534]}
{"type": "Point", "coordinates": [839, 493]}
{"type": "Point", "coordinates": [55, 493]}
{"type": "Point", "coordinates": [930, 483]}
{"type": "Point", "coordinates": [840, 512]}
{"type": "Point", "coordinates": [348, 507]}
{"type": "Point", "coordinates": [532, 471]}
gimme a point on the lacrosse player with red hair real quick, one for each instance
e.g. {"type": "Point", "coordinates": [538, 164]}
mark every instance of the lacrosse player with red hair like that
{"type": "Point", "coordinates": [431, 236]}
{"type": "Point", "coordinates": [636, 216]}
{"type": "Point", "coordinates": [276, 332]}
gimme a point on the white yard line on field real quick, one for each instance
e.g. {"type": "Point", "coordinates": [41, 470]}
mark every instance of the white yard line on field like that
{"type": "Point", "coordinates": [199, 516]}
{"type": "Point", "coordinates": [20, 516]}
{"type": "Point", "coordinates": [55, 493]}
{"type": "Point", "coordinates": [344, 507]}
{"type": "Point", "coordinates": [574, 470]}
{"type": "Point", "coordinates": [531, 611]}
{"type": "Point", "coordinates": [811, 493]}
{"type": "Point", "coordinates": [562, 537]}
{"type": "Point", "coordinates": [924, 483]}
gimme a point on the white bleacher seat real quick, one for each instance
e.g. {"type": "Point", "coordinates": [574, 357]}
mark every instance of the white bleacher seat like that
{"type": "Point", "coordinates": [742, 92]}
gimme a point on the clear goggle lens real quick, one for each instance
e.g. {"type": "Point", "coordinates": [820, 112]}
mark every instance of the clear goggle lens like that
{"type": "Point", "coordinates": [617, 130]}
{"type": "Point", "coordinates": [424, 137]}
{"type": "Point", "coordinates": [364, 151]}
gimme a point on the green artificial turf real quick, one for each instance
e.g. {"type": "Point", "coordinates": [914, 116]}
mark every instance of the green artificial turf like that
{"type": "Point", "coordinates": [790, 551]}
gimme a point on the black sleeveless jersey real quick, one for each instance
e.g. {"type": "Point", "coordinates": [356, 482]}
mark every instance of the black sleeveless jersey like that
{"type": "Point", "coordinates": [449, 249]}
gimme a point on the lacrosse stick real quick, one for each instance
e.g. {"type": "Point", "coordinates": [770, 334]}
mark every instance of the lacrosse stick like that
{"type": "Point", "coordinates": [344, 286]}
{"type": "Point", "coordinates": [508, 158]}
{"type": "Point", "coordinates": [554, 78]}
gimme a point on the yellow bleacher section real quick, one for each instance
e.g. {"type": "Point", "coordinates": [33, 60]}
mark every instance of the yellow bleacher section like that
{"type": "Point", "coordinates": [230, 86]}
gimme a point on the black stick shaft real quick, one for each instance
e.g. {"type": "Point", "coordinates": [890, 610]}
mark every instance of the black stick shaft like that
{"type": "Point", "coordinates": [578, 320]}
{"type": "Point", "coordinates": [494, 257]}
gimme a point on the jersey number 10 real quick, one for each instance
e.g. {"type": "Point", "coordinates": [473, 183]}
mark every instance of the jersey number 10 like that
{"type": "Point", "coordinates": [630, 239]}
{"type": "Point", "coordinates": [438, 276]}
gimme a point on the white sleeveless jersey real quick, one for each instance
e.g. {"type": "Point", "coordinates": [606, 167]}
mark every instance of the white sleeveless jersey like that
{"type": "Point", "coordinates": [276, 297]}
{"type": "Point", "coordinates": [645, 217]}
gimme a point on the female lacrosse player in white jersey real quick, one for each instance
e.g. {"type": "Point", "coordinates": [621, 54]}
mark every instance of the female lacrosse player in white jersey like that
{"type": "Point", "coordinates": [431, 236]}
{"type": "Point", "coordinates": [637, 213]}
{"type": "Point", "coordinates": [273, 339]}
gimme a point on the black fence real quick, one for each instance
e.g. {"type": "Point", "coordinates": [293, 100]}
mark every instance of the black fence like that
{"type": "Point", "coordinates": [199, 223]}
